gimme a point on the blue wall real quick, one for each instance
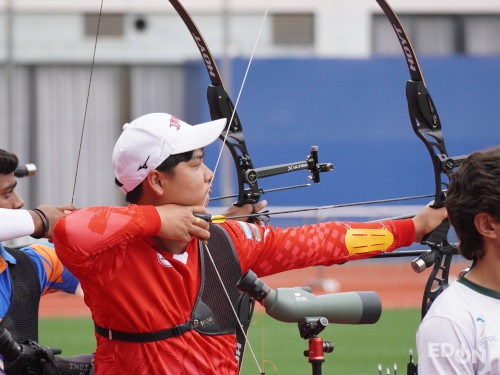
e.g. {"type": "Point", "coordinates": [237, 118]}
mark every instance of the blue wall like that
{"type": "Point", "coordinates": [356, 112]}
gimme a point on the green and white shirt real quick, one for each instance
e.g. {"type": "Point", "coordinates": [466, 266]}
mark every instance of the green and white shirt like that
{"type": "Point", "coordinates": [460, 333]}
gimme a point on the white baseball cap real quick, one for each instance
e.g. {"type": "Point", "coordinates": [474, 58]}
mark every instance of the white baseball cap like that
{"type": "Point", "coordinates": [147, 141]}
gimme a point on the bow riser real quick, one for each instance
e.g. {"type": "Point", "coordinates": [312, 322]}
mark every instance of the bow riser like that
{"type": "Point", "coordinates": [427, 126]}
{"type": "Point", "coordinates": [221, 106]}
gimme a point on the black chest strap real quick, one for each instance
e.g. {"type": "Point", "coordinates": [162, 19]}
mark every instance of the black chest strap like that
{"type": "Point", "coordinates": [22, 317]}
{"type": "Point", "coordinates": [148, 336]}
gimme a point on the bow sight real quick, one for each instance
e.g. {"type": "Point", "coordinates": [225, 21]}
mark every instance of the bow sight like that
{"type": "Point", "coordinates": [221, 106]}
{"type": "Point", "coordinates": [250, 175]}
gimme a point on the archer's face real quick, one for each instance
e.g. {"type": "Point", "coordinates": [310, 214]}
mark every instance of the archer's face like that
{"type": "Point", "coordinates": [8, 196]}
{"type": "Point", "coordinates": [190, 183]}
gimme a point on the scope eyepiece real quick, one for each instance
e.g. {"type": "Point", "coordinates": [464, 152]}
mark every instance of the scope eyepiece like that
{"type": "Point", "coordinates": [253, 286]}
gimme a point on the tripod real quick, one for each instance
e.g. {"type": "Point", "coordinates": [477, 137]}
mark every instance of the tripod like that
{"type": "Point", "coordinates": [309, 329]}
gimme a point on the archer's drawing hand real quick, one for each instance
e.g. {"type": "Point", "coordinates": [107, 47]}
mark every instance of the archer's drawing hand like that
{"type": "Point", "coordinates": [179, 224]}
{"type": "Point", "coordinates": [427, 220]}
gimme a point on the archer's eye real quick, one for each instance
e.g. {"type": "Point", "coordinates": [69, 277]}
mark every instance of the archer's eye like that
{"type": "Point", "coordinates": [8, 193]}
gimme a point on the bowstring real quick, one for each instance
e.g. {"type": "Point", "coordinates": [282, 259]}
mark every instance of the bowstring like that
{"type": "Point", "coordinates": [226, 293]}
{"type": "Point", "coordinates": [87, 102]}
{"type": "Point", "coordinates": [239, 94]}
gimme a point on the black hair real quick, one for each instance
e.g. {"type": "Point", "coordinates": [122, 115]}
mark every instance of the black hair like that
{"type": "Point", "coordinates": [8, 162]}
{"type": "Point", "coordinates": [166, 166]}
{"type": "Point", "coordinates": [474, 188]}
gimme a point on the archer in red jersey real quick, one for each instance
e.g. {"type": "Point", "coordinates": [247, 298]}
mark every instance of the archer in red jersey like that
{"type": "Point", "coordinates": [144, 286]}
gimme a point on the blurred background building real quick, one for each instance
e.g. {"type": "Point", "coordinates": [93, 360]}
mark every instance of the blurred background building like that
{"type": "Point", "coordinates": [325, 72]}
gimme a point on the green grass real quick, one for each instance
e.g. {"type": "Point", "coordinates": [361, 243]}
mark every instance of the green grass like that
{"type": "Point", "coordinates": [358, 348]}
{"type": "Point", "coordinates": [72, 335]}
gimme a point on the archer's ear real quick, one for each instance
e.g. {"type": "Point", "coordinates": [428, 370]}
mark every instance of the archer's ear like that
{"type": "Point", "coordinates": [486, 225]}
{"type": "Point", "coordinates": [155, 183]}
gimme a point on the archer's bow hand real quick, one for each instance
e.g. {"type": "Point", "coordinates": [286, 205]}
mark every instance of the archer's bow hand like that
{"type": "Point", "coordinates": [237, 213]}
{"type": "Point", "coordinates": [247, 209]}
{"type": "Point", "coordinates": [427, 220]}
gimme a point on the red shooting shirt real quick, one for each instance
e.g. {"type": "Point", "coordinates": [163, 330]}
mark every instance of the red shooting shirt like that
{"type": "Point", "coordinates": [131, 285]}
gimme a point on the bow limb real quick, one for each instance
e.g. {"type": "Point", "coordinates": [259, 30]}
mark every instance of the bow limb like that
{"type": "Point", "coordinates": [221, 106]}
{"type": "Point", "coordinates": [423, 115]}
{"type": "Point", "coordinates": [427, 126]}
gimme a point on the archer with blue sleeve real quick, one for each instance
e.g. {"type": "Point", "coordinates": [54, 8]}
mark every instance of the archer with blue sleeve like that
{"type": "Point", "coordinates": [25, 275]}
{"type": "Point", "coordinates": [51, 273]}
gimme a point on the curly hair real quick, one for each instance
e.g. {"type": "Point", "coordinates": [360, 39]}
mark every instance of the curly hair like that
{"type": "Point", "coordinates": [8, 162]}
{"type": "Point", "coordinates": [474, 188]}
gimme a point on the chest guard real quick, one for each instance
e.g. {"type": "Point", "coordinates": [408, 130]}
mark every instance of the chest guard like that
{"type": "Point", "coordinates": [22, 317]}
{"type": "Point", "coordinates": [212, 310]}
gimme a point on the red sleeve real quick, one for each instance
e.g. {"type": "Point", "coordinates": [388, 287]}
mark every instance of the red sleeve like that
{"type": "Point", "coordinates": [268, 250]}
{"type": "Point", "coordinates": [85, 233]}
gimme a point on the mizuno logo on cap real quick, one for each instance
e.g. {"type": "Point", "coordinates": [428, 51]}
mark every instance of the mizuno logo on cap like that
{"type": "Point", "coordinates": [144, 166]}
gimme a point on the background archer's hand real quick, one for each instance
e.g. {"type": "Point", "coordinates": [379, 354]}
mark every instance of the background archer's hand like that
{"type": "Point", "coordinates": [53, 213]}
